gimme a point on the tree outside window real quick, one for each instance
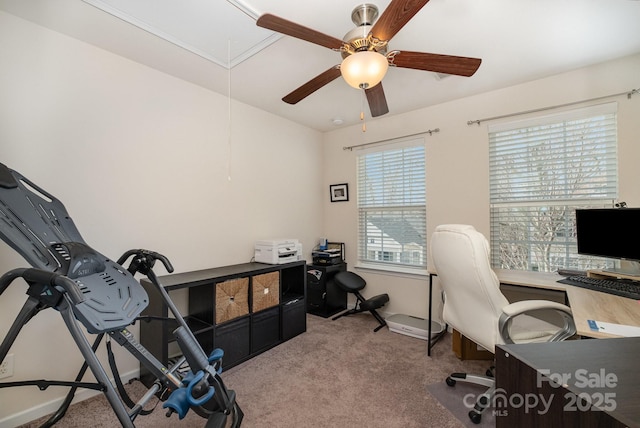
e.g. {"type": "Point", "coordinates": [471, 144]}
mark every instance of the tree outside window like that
{"type": "Point", "coordinates": [541, 170]}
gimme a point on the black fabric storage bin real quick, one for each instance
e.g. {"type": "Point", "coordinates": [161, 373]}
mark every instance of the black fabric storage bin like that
{"type": "Point", "coordinates": [265, 329]}
{"type": "Point", "coordinates": [294, 318]}
{"type": "Point", "coordinates": [233, 339]}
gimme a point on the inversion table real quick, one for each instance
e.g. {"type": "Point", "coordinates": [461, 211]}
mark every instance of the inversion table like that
{"type": "Point", "coordinates": [89, 290]}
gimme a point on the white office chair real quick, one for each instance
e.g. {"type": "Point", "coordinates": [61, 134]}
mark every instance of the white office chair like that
{"type": "Point", "coordinates": [475, 306]}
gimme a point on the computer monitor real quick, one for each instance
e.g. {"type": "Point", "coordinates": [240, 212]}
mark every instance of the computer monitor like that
{"type": "Point", "coordinates": [612, 233]}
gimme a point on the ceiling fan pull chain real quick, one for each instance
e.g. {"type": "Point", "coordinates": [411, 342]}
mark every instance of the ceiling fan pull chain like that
{"type": "Point", "coordinates": [229, 123]}
{"type": "Point", "coordinates": [364, 123]}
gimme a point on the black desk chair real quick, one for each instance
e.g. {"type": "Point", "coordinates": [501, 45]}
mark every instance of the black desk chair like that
{"type": "Point", "coordinates": [353, 283]}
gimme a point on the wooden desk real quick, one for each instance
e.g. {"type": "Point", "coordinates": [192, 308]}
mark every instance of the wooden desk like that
{"type": "Point", "coordinates": [603, 371]}
{"type": "Point", "coordinates": [585, 304]}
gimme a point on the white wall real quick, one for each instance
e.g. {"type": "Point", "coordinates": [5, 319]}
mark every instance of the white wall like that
{"type": "Point", "coordinates": [141, 160]}
{"type": "Point", "coordinates": [457, 160]}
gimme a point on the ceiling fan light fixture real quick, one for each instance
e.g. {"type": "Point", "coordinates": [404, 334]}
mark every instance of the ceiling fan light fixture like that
{"type": "Point", "coordinates": [364, 69]}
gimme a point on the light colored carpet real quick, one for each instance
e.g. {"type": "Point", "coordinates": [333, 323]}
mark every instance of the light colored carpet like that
{"type": "Point", "coordinates": [337, 374]}
{"type": "Point", "coordinates": [453, 399]}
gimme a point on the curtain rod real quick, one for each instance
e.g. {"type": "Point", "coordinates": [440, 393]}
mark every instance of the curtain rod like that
{"type": "Point", "coordinates": [628, 94]}
{"type": "Point", "coordinates": [430, 132]}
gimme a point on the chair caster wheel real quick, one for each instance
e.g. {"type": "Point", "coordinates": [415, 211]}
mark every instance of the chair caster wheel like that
{"type": "Point", "coordinates": [483, 401]}
{"type": "Point", "coordinates": [475, 417]}
{"type": "Point", "coordinates": [450, 381]}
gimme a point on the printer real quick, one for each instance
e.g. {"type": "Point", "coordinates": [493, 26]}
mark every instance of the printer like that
{"type": "Point", "coordinates": [278, 251]}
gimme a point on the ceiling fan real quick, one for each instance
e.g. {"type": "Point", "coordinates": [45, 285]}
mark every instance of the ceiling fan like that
{"type": "Point", "coordinates": [365, 52]}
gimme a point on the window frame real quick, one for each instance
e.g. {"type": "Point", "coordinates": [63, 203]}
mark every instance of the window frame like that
{"type": "Point", "coordinates": [376, 255]}
{"type": "Point", "coordinates": [530, 205]}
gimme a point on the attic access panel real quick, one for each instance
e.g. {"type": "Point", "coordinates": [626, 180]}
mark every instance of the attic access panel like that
{"type": "Point", "coordinates": [197, 25]}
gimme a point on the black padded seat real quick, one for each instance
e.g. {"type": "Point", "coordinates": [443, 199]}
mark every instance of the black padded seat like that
{"type": "Point", "coordinates": [374, 302]}
{"type": "Point", "coordinates": [353, 283]}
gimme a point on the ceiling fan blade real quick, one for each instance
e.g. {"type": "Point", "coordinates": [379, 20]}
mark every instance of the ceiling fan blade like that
{"type": "Point", "coordinates": [280, 25]}
{"type": "Point", "coordinates": [377, 100]}
{"type": "Point", "coordinates": [448, 64]}
{"type": "Point", "coordinates": [396, 16]}
{"type": "Point", "coordinates": [313, 85]}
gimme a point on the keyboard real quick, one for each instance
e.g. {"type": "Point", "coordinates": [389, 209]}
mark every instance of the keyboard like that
{"type": "Point", "coordinates": [618, 287]}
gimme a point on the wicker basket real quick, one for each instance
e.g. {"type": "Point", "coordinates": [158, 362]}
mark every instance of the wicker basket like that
{"type": "Point", "coordinates": [265, 290]}
{"type": "Point", "coordinates": [232, 299]}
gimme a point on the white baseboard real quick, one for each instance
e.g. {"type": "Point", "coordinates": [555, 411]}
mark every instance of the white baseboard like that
{"type": "Point", "coordinates": [52, 406]}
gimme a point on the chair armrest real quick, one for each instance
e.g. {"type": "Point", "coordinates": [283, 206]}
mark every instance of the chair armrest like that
{"type": "Point", "coordinates": [518, 308]}
{"type": "Point", "coordinates": [523, 306]}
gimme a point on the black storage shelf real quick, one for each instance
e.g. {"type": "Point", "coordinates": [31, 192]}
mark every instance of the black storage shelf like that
{"type": "Point", "coordinates": [292, 297]}
{"type": "Point", "coordinates": [195, 325]}
{"type": "Point", "coordinates": [242, 337]}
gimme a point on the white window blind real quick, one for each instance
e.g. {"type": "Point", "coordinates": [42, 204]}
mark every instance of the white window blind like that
{"type": "Point", "coordinates": [392, 206]}
{"type": "Point", "coordinates": [541, 170]}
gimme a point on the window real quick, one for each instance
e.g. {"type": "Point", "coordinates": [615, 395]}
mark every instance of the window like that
{"type": "Point", "coordinates": [392, 206]}
{"type": "Point", "coordinates": [541, 170]}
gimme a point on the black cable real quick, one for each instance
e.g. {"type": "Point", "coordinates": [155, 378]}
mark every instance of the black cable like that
{"type": "Point", "coordinates": [116, 377]}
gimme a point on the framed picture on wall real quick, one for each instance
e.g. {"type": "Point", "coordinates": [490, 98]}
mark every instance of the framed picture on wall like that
{"type": "Point", "coordinates": [339, 192]}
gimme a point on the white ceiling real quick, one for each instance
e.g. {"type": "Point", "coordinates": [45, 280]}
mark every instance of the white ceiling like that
{"type": "Point", "coordinates": [216, 44]}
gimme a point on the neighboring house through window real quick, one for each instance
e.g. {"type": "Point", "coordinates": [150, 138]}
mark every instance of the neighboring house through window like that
{"type": "Point", "coordinates": [392, 206]}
